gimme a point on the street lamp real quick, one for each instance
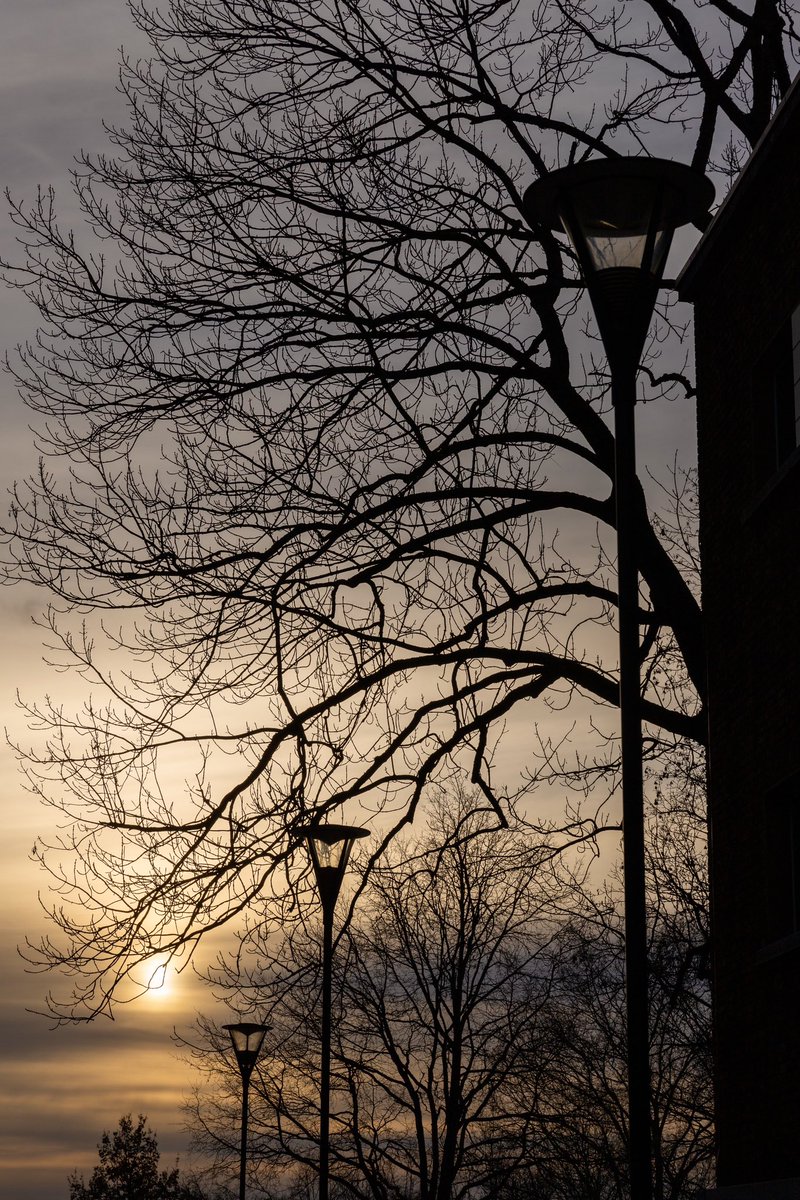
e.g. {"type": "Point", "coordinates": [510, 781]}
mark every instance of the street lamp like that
{"type": "Point", "coordinates": [620, 215]}
{"type": "Point", "coordinates": [329, 847]}
{"type": "Point", "coordinates": [247, 1040]}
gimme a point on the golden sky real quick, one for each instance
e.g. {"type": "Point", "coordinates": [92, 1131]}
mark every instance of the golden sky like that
{"type": "Point", "coordinates": [60, 1088]}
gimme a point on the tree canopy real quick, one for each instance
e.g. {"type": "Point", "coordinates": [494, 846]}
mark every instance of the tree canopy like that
{"type": "Point", "coordinates": [325, 500]}
{"type": "Point", "coordinates": [128, 1169]}
{"type": "Point", "coordinates": [478, 1027]}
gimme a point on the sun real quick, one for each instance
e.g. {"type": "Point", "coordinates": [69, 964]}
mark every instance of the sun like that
{"type": "Point", "coordinates": [159, 985]}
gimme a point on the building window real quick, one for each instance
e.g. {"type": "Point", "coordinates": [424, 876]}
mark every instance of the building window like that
{"type": "Point", "coordinates": [778, 378]}
{"type": "Point", "coordinates": [783, 859]}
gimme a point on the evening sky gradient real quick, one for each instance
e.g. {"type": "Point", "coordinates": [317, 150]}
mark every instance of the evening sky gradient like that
{"type": "Point", "coordinates": [61, 1087]}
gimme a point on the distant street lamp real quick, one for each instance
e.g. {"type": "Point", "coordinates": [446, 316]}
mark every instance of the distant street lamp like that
{"type": "Point", "coordinates": [620, 215]}
{"type": "Point", "coordinates": [329, 847]}
{"type": "Point", "coordinates": [247, 1040]}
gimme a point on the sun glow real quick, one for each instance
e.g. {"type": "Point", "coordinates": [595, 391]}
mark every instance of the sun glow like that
{"type": "Point", "coordinates": [160, 982]}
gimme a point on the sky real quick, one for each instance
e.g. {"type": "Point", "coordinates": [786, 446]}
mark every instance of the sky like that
{"type": "Point", "coordinates": [60, 1088]}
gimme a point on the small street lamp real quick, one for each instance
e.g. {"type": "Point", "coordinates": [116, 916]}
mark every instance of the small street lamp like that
{"type": "Point", "coordinates": [247, 1040]}
{"type": "Point", "coordinates": [329, 847]}
{"type": "Point", "coordinates": [620, 215]}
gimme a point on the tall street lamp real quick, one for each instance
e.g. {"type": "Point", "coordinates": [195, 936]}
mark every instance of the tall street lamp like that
{"type": "Point", "coordinates": [247, 1040]}
{"type": "Point", "coordinates": [329, 847]}
{"type": "Point", "coordinates": [620, 215]}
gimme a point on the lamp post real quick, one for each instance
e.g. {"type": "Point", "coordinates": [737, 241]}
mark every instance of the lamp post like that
{"type": "Point", "coordinates": [247, 1040]}
{"type": "Point", "coordinates": [620, 215]}
{"type": "Point", "coordinates": [329, 847]}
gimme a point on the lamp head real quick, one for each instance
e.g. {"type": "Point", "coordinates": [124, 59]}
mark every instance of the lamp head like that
{"type": "Point", "coordinates": [620, 215]}
{"type": "Point", "coordinates": [329, 847]}
{"type": "Point", "coordinates": [247, 1038]}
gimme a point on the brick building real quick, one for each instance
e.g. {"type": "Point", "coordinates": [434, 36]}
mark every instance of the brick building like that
{"type": "Point", "coordinates": [744, 281]}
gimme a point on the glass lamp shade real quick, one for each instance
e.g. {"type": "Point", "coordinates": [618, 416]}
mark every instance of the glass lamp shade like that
{"type": "Point", "coordinates": [620, 215]}
{"type": "Point", "coordinates": [247, 1039]}
{"type": "Point", "coordinates": [329, 847]}
{"type": "Point", "coordinates": [609, 226]}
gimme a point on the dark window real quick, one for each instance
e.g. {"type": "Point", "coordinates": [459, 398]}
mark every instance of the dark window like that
{"type": "Point", "coordinates": [795, 328]}
{"type": "Point", "coordinates": [778, 387]}
{"type": "Point", "coordinates": [783, 859]}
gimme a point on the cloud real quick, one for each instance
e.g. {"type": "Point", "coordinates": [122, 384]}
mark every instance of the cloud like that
{"type": "Point", "coordinates": [61, 1088]}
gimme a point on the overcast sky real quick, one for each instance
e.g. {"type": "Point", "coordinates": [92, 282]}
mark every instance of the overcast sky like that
{"type": "Point", "coordinates": [61, 1088]}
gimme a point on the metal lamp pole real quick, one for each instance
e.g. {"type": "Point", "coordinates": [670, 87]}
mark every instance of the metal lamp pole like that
{"type": "Point", "coordinates": [620, 215]}
{"type": "Point", "coordinates": [329, 847]}
{"type": "Point", "coordinates": [247, 1040]}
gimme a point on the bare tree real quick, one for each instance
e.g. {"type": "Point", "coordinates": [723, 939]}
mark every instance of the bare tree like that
{"type": "Point", "coordinates": [325, 487]}
{"type": "Point", "coordinates": [439, 982]}
{"type": "Point", "coordinates": [480, 1026]}
{"type": "Point", "coordinates": [581, 1151]}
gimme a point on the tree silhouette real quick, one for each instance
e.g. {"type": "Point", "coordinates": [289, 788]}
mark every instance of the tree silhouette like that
{"type": "Point", "coordinates": [439, 983]}
{"type": "Point", "coordinates": [583, 1145]}
{"type": "Point", "coordinates": [479, 1026]}
{"type": "Point", "coordinates": [128, 1169]}
{"type": "Point", "coordinates": [327, 477]}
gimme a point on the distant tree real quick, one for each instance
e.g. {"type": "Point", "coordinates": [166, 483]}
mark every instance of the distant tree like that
{"type": "Point", "coordinates": [581, 1149]}
{"type": "Point", "coordinates": [440, 981]}
{"type": "Point", "coordinates": [129, 1169]}
{"type": "Point", "coordinates": [479, 1033]}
